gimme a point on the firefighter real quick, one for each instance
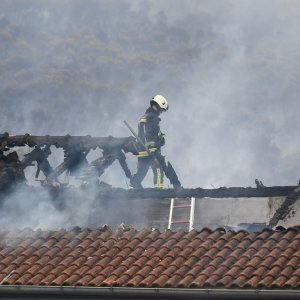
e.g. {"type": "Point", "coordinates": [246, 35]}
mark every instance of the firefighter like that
{"type": "Point", "coordinates": [151, 135]}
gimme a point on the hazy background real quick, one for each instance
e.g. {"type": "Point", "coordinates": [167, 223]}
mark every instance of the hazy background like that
{"type": "Point", "coordinates": [229, 69]}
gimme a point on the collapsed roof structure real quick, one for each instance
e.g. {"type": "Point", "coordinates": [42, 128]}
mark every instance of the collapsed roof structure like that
{"type": "Point", "coordinates": [226, 253]}
{"type": "Point", "coordinates": [76, 148]}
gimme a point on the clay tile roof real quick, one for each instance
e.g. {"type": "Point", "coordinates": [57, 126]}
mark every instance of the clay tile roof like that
{"type": "Point", "coordinates": [129, 258]}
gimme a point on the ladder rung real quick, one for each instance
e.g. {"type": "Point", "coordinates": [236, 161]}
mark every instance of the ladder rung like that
{"type": "Point", "coordinates": [180, 221]}
{"type": "Point", "coordinates": [182, 206]}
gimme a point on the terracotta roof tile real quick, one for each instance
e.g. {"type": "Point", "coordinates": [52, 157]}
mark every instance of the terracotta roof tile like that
{"type": "Point", "coordinates": [209, 258]}
{"type": "Point", "coordinates": [8, 260]}
{"type": "Point", "coordinates": [267, 262]}
{"type": "Point", "coordinates": [55, 261]}
{"type": "Point", "coordinates": [71, 280]}
{"type": "Point", "coordinates": [254, 262]}
{"type": "Point", "coordinates": [265, 234]}
{"type": "Point", "coordinates": [266, 282]}
{"type": "Point", "coordinates": [36, 279]}
{"type": "Point", "coordinates": [278, 282]}
{"type": "Point", "coordinates": [216, 262]}
{"type": "Point", "coordinates": [240, 235]}
{"type": "Point", "coordinates": [121, 280]}
{"type": "Point", "coordinates": [216, 234]}
{"type": "Point", "coordinates": [221, 271]}
{"type": "Point", "coordinates": [41, 274]}
{"type": "Point", "coordinates": [59, 280]}
{"type": "Point", "coordinates": [283, 244]}
{"type": "Point", "coordinates": [195, 271]}
{"type": "Point", "coordinates": [233, 244]}
{"type": "Point", "coordinates": [262, 252]}
{"type": "Point", "coordinates": [207, 244]}
{"type": "Point", "coordinates": [154, 246]}
{"type": "Point", "coordinates": [19, 280]}
{"type": "Point", "coordinates": [97, 281]}
{"type": "Point", "coordinates": [247, 272]}
{"type": "Point", "coordinates": [85, 280]}
{"type": "Point", "coordinates": [203, 234]}
{"type": "Point", "coordinates": [199, 281]}
{"type": "Point", "coordinates": [128, 262]}
{"type": "Point", "coordinates": [194, 244]}
{"type": "Point", "coordinates": [257, 244]}
{"type": "Point", "coordinates": [225, 281]}
{"type": "Point", "coordinates": [254, 280]}
{"type": "Point", "coordinates": [290, 234]}
{"type": "Point", "coordinates": [234, 271]}
{"type": "Point", "coordinates": [293, 282]}
{"type": "Point", "coordinates": [287, 272]}
{"type": "Point", "coordinates": [224, 253]}
{"type": "Point", "coordinates": [229, 262]}
{"type": "Point", "coordinates": [295, 245]}
{"type": "Point", "coordinates": [296, 272]}
{"type": "Point", "coordinates": [281, 261]}
{"type": "Point", "coordinates": [288, 252]}
{"type": "Point", "coordinates": [294, 262]}
{"type": "Point", "coordinates": [276, 236]}
{"type": "Point", "coordinates": [95, 270]}
{"type": "Point", "coordinates": [276, 252]}
{"type": "Point", "coordinates": [238, 252]}
{"type": "Point", "coordinates": [220, 243]}
{"type": "Point", "coordinates": [260, 271]}
{"type": "Point", "coordinates": [110, 281]}
{"type": "Point", "coordinates": [188, 236]}
{"type": "Point", "coordinates": [297, 253]}
{"type": "Point", "coordinates": [161, 281]}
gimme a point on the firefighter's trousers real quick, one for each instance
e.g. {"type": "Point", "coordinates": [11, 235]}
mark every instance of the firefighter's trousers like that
{"type": "Point", "coordinates": [143, 166]}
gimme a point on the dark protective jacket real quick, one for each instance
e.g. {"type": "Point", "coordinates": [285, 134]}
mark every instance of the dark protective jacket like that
{"type": "Point", "coordinates": [149, 131]}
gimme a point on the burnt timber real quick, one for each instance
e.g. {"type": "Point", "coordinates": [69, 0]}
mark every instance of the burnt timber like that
{"type": "Point", "coordinates": [75, 148]}
{"type": "Point", "coordinates": [86, 142]}
{"type": "Point", "coordinates": [231, 192]}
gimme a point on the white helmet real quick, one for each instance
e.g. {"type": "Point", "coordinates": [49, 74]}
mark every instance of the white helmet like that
{"type": "Point", "coordinates": [161, 101]}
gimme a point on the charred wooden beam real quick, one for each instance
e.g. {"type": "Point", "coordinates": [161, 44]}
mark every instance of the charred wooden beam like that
{"type": "Point", "coordinates": [76, 149]}
{"type": "Point", "coordinates": [40, 156]}
{"type": "Point", "coordinates": [11, 170]}
{"type": "Point", "coordinates": [74, 158]}
{"type": "Point", "coordinates": [82, 142]}
{"type": "Point", "coordinates": [286, 207]}
{"type": "Point", "coordinates": [108, 158]}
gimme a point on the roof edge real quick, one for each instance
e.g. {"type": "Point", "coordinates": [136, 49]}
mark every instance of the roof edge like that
{"type": "Point", "coordinates": [153, 292]}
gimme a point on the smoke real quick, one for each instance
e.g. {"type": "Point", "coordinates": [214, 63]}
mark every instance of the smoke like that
{"type": "Point", "coordinates": [229, 69]}
{"type": "Point", "coordinates": [47, 209]}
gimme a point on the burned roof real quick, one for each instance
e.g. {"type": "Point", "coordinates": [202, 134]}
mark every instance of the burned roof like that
{"type": "Point", "coordinates": [269, 259]}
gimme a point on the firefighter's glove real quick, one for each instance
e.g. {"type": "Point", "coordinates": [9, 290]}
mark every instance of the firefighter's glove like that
{"type": "Point", "coordinates": [161, 134]}
{"type": "Point", "coordinates": [161, 137]}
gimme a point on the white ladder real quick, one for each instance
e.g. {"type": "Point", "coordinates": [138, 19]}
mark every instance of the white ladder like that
{"type": "Point", "coordinates": [190, 206]}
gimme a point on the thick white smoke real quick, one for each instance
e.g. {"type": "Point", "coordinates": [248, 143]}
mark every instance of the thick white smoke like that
{"type": "Point", "coordinates": [229, 69]}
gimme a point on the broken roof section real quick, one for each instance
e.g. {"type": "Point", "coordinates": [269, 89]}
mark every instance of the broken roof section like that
{"type": "Point", "coordinates": [75, 151]}
{"type": "Point", "coordinates": [75, 148]}
{"type": "Point", "coordinates": [269, 259]}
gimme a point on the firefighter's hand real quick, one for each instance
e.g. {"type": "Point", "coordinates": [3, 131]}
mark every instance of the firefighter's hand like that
{"type": "Point", "coordinates": [161, 134]}
{"type": "Point", "coordinates": [161, 137]}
